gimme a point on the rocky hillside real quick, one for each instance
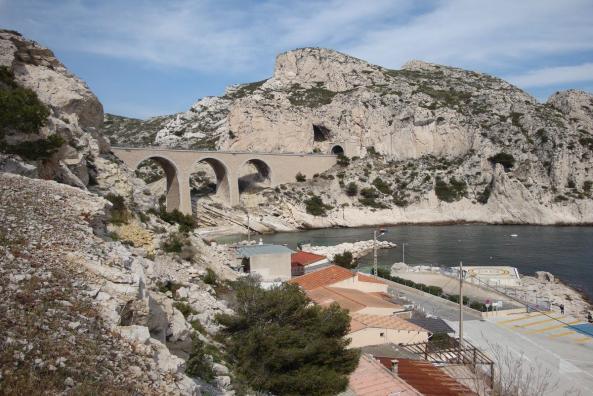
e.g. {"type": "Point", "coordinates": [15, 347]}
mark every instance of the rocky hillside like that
{"type": "Point", "coordinates": [101, 292]}
{"type": "Point", "coordinates": [429, 142]}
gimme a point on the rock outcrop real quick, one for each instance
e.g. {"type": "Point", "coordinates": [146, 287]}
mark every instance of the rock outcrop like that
{"type": "Point", "coordinates": [75, 113]}
{"type": "Point", "coordinates": [423, 130]}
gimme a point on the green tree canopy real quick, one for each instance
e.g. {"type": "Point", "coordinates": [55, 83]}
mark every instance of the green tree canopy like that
{"type": "Point", "coordinates": [281, 343]}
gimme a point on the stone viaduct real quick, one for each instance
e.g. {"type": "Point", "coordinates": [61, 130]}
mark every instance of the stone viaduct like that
{"type": "Point", "coordinates": [178, 165]}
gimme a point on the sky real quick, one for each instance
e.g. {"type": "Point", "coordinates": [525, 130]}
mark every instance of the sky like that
{"type": "Point", "coordinates": [144, 58]}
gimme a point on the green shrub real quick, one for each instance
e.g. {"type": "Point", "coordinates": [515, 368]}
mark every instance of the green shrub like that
{"type": "Point", "coordinates": [197, 364]}
{"type": "Point", "coordinates": [210, 278]}
{"type": "Point", "coordinates": [543, 137]}
{"type": "Point", "coordinates": [41, 149]}
{"type": "Point", "coordinates": [184, 308]}
{"type": "Point", "coordinates": [343, 160]}
{"type": "Point", "coordinates": [173, 244]}
{"type": "Point", "coordinates": [119, 211]}
{"type": "Point", "coordinates": [186, 222]}
{"type": "Point", "coordinates": [369, 192]}
{"type": "Point", "coordinates": [316, 207]}
{"type": "Point", "coordinates": [586, 142]}
{"type": "Point", "coordinates": [478, 306]}
{"type": "Point", "coordinates": [450, 192]}
{"type": "Point", "coordinates": [400, 198]}
{"type": "Point", "coordinates": [168, 286]}
{"type": "Point", "coordinates": [311, 97]}
{"type": "Point", "coordinates": [455, 298]}
{"type": "Point", "coordinates": [20, 108]}
{"type": "Point", "coordinates": [280, 343]}
{"type": "Point", "coordinates": [484, 196]}
{"type": "Point", "coordinates": [369, 195]}
{"type": "Point", "coordinates": [506, 160]}
{"type": "Point", "coordinates": [300, 177]}
{"type": "Point", "coordinates": [351, 189]}
{"type": "Point", "coordinates": [587, 184]}
{"type": "Point", "coordinates": [345, 260]}
{"type": "Point", "coordinates": [560, 198]}
{"type": "Point", "coordinates": [382, 186]}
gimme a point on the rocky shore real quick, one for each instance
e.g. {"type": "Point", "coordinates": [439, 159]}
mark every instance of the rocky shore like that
{"type": "Point", "coordinates": [358, 249]}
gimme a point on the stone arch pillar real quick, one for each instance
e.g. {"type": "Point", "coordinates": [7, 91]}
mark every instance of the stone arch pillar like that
{"type": "Point", "coordinates": [263, 169]}
{"type": "Point", "coordinates": [224, 188]}
{"type": "Point", "coordinates": [177, 192]}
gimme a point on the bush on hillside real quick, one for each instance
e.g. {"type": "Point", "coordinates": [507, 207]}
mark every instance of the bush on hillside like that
{"type": "Point", "coordinates": [316, 207]}
{"type": "Point", "coordinates": [35, 150]}
{"type": "Point", "coordinates": [450, 192]}
{"type": "Point", "coordinates": [351, 189]}
{"type": "Point", "coordinates": [382, 186]}
{"type": "Point", "coordinates": [20, 108]}
{"type": "Point", "coordinates": [197, 364]}
{"type": "Point", "coordinates": [186, 222]}
{"type": "Point", "coordinates": [300, 177]}
{"type": "Point", "coordinates": [343, 160]}
{"type": "Point", "coordinates": [280, 343]}
{"type": "Point", "coordinates": [173, 244]}
{"type": "Point", "coordinates": [119, 213]}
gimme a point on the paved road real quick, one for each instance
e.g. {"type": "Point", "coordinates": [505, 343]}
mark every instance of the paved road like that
{"type": "Point", "coordinates": [565, 360]}
{"type": "Point", "coordinates": [546, 345]}
{"type": "Point", "coordinates": [430, 304]}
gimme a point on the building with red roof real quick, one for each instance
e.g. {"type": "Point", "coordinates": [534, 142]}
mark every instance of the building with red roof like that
{"type": "Point", "coordinates": [337, 276]}
{"type": "Point", "coordinates": [304, 262]}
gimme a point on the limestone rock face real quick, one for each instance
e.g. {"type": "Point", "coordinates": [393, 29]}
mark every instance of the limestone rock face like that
{"type": "Point", "coordinates": [75, 112]}
{"type": "Point", "coordinates": [420, 123]}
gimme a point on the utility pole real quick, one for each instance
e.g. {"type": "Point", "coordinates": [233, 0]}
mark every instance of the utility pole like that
{"type": "Point", "coordinates": [248, 228]}
{"type": "Point", "coordinates": [460, 311]}
{"type": "Point", "coordinates": [375, 268]}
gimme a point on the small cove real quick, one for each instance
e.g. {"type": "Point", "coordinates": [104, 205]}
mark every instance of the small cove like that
{"type": "Point", "coordinates": [565, 251]}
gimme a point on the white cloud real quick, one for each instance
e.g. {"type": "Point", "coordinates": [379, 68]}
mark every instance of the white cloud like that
{"type": "Point", "coordinates": [553, 76]}
{"type": "Point", "coordinates": [484, 34]}
{"type": "Point", "coordinates": [226, 36]}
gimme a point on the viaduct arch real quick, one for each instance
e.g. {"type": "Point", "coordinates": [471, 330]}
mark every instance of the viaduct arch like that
{"type": "Point", "coordinates": [279, 168]}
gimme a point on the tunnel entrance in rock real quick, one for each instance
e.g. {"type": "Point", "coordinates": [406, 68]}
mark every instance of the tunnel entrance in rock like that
{"type": "Point", "coordinates": [337, 150]}
{"type": "Point", "coordinates": [321, 133]}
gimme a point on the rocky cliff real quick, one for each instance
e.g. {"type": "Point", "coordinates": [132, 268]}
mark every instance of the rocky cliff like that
{"type": "Point", "coordinates": [446, 144]}
{"type": "Point", "coordinates": [97, 296]}
{"type": "Point", "coordinates": [55, 136]}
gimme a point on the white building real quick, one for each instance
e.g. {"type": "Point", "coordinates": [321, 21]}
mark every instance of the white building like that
{"type": "Point", "coordinates": [270, 262]}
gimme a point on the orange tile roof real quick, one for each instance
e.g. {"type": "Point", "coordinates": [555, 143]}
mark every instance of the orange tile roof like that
{"type": "Point", "coordinates": [305, 258]}
{"type": "Point", "coordinates": [370, 279]}
{"type": "Point", "coordinates": [372, 379]}
{"type": "Point", "coordinates": [351, 299]}
{"type": "Point", "coordinates": [430, 380]}
{"type": "Point", "coordinates": [382, 322]}
{"type": "Point", "coordinates": [324, 277]}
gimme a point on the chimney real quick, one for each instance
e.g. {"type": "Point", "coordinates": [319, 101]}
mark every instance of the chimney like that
{"type": "Point", "coordinates": [394, 364]}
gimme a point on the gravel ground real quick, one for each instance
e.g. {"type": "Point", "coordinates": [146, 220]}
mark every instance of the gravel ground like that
{"type": "Point", "coordinates": [52, 340]}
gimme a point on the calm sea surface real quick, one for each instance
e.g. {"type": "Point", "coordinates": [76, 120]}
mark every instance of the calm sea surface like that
{"type": "Point", "coordinates": [566, 252]}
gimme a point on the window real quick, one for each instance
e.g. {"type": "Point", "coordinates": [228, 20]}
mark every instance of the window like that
{"type": "Point", "coordinates": [381, 334]}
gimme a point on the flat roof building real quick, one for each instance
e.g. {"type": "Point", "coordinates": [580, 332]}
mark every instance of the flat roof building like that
{"type": "Point", "coordinates": [270, 262]}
